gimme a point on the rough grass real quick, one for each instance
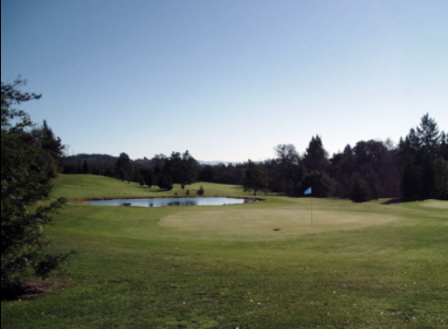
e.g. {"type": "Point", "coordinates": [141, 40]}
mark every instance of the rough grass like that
{"type": "Point", "coordinates": [360, 266]}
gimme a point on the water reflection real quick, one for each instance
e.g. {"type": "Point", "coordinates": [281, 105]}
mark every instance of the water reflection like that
{"type": "Point", "coordinates": [172, 202]}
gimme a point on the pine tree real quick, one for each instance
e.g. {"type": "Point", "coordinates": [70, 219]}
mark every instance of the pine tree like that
{"type": "Point", "coordinates": [25, 180]}
{"type": "Point", "coordinates": [423, 167]}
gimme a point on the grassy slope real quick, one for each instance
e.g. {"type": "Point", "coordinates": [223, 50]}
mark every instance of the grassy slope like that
{"type": "Point", "coordinates": [89, 186]}
{"type": "Point", "coordinates": [132, 272]}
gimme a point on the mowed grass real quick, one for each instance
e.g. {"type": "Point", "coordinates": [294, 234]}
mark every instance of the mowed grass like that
{"type": "Point", "coordinates": [261, 265]}
{"type": "Point", "coordinates": [90, 186]}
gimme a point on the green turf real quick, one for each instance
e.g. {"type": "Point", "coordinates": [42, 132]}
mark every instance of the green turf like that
{"type": "Point", "coordinates": [258, 265]}
{"type": "Point", "coordinates": [90, 186]}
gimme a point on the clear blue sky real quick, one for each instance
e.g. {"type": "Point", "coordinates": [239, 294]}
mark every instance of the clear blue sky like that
{"type": "Point", "coordinates": [227, 80]}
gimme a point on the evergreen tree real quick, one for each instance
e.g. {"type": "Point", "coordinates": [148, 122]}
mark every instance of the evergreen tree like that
{"type": "Point", "coordinates": [51, 145]}
{"type": "Point", "coordinates": [165, 182]}
{"type": "Point", "coordinates": [183, 168]}
{"type": "Point", "coordinates": [428, 135]}
{"type": "Point", "coordinates": [423, 169]}
{"type": "Point", "coordinates": [316, 157]}
{"type": "Point", "coordinates": [123, 167]}
{"type": "Point", "coordinates": [25, 180]}
{"type": "Point", "coordinates": [85, 167]}
{"type": "Point", "coordinates": [148, 176]}
{"type": "Point", "coordinates": [444, 145]}
{"type": "Point", "coordinates": [188, 170]}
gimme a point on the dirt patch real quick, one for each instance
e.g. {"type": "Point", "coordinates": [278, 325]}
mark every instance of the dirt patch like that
{"type": "Point", "coordinates": [29, 290]}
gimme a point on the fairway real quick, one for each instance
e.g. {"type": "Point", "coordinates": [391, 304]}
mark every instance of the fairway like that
{"type": "Point", "coordinates": [267, 265]}
{"type": "Point", "coordinates": [277, 221]}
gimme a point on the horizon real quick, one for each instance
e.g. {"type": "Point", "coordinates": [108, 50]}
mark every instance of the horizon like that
{"type": "Point", "coordinates": [227, 79]}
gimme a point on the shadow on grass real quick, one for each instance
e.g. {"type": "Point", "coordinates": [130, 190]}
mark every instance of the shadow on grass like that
{"type": "Point", "coordinates": [396, 201]}
{"type": "Point", "coordinates": [26, 290]}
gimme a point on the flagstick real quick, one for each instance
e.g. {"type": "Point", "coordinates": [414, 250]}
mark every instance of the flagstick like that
{"type": "Point", "coordinates": [311, 203]}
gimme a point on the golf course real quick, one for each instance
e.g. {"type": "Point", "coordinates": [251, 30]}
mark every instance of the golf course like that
{"type": "Point", "coordinates": [281, 262]}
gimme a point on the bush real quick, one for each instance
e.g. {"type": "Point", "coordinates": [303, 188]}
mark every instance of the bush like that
{"type": "Point", "coordinates": [200, 191]}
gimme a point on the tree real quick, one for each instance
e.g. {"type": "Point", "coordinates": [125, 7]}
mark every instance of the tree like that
{"type": "Point", "coordinates": [183, 168]}
{"type": "Point", "coordinates": [148, 176]}
{"type": "Point", "coordinates": [123, 167]}
{"type": "Point", "coordinates": [321, 183]}
{"type": "Point", "coordinates": [360, 191]}
{"type": "Point", "coordinates": [444, 146]}
{"type": "Point", "coordinates": [51, 145]}
{"type": "Point", "coordinates": [165, 182]}
{"type": "Point", "coordinates": [285, 170]}
{"type": "Point", "coordinates": [24, 181]}
{"type": "Point", "coordinates": [343, 169]}
{"type": "Point", "coordinates": [85, 167]}
{"type": "Point", "coordinates": [316, 158]}
{"type": "Point", "coordinates": [200, 191]}
{"type": "Point", "coordinates": [207, 173]}
{"type": "Point", "coordinates": [255, 178]}
{"type": "Point", "coordinates": [188, 170]}
{"type": "Point", "coordinates": [423, 166]}
{"type": "Point", "coordinates": [428, 134]}
{"type": "Point", "coordinates": [159, 161]}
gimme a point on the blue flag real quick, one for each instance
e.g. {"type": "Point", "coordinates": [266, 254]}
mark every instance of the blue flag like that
{"type": "Point", "coordinates": [308, 191]}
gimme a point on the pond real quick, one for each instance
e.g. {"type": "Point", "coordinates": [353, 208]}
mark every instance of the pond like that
{"type": "Point", "coordinates": [170, 202]}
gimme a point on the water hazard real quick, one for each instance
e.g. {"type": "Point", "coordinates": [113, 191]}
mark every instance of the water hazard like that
{"type": "Point", "coordinates": [171, 202]}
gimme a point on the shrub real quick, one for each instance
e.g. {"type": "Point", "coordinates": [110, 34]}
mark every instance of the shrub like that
{"type": "Point", "coordinates": [200, 191]}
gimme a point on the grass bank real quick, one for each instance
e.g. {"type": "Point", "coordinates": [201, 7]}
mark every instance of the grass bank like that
{"type": "Point", "coordinates": [262, 265]}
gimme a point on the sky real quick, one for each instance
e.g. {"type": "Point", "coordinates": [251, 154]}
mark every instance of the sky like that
{"type": "Point", "coordinates": [227, 80]}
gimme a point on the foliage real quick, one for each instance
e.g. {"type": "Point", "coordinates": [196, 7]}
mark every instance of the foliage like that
{"type": "Point", "coordinates": [51, 146]}
{"type": "Point", "coordinates": [165, 182]}
{"type": "Point", "coordinates": [148, 176]}
{"type": "Point", "coordinates": [256, 178]}
{"type": "Point", "coordinates": [321, 183]}
{"type": "Point", "coordinates": [415, 169]}
{"type": "Point", "coordinates": [123, 168]}
{"type": "Point", "coordinates": [182, 168]}
{"type": "Point", "coordinates": [285, 171]}
{"type": "Point", "coordinates": [360, 190]}
{"type": "Point", "coordinates": [26, 172]}
{"type": "Point", "coordinates": [85, 167]}
{"type": "Point", "coordinates": [200, 191]}
{"type": "Point", "coordinates": [424, 170]}
{"type": "Point", "coordinates": [316, 158]}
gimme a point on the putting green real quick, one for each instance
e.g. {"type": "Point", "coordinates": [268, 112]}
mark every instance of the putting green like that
{"type": "Point", "coordinates": [269, 221]}
{"type": "Point", "coordinates": [435, 204]}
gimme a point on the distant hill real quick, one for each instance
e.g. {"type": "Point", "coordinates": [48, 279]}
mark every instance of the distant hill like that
{"type": "Point", "coordinates": [109, 160]}
{"type": "Point", "coordinates": [90, 158]}
{"type": "Point", "coordinates": [214, 163]}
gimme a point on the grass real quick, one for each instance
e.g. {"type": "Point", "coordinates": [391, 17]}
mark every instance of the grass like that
{"type": "Point", "coordinates": [90, 186]}
{"type": "Point", "coordinates": [257, 265]}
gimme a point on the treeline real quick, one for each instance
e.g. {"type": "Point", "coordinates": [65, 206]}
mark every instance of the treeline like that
{"type": "Point", "coordinates": [416, 168]}
{"type": "Point", "coordinates": [159, 171]}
